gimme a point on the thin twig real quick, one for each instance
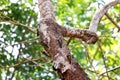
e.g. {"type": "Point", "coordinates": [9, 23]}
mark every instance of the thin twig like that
{"type": "Point", "coordinates": [13, 73]}
{"type": "Point", "coordinates": [15, 65]}
{"type": "Point", "coordinates": [36, 63]}
{"type": "Point", "coordinates": [103, 57]}
{"type": "Point", "coordinates": [33, 61]}
{"type": "Point", "coordinates": [89, 59]}
{"type": "Point", "coordinates": [93, 71]}
{"type": "Point", "coordinates": [118, 67]}
{"type": "Point", "coordinates": [18, 23]}
{"type": "Point", "coordinates": [20, 42]}
{"type": "Point", "coordinates": [9, 20]}
{"type": "Point", "coordinates": [108, 16]}
{"type": "Point", "coordinates": [24, 60]}
{"type": "Point", "coordinates": [69, 40]}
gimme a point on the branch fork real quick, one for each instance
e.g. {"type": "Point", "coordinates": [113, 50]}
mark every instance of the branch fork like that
{"type": "Point", "coordinates": [53, 35]}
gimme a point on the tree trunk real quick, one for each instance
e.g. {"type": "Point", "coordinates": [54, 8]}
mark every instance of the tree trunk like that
{"type": "Point", "coordinates": [52, 36]}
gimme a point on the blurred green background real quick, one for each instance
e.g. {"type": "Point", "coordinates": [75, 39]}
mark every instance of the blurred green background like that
{"type": "Point", "coordinates": [21, 54]}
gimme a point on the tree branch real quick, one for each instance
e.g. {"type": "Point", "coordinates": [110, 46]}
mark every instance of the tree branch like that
{"type": "Point", "coordinates": [118, 67]}
{"type": "Point", "coordinates": [108, 16]}
{"type": "Point", "coordinates": [103, 57]}
{"type": "Point", "coordinates": [26, 41]}
{"type": "Point", "coordinates": [89, 59]}
{"type": "Point", "coordinates": [83, 34]}
{"type": "Point", "coordinates": [99, 14]}
{"type": "Point", "coordinates": [15, 65]}
{"type": "Point", "coordinates": [5, 18]}
{"type": "Point", "coordinates": [26, 60]}
{"type": "Point", "coordinates": [18, 23]}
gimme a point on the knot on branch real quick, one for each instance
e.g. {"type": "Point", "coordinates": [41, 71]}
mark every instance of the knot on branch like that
{"type": "Point", "coordinates": [88, 36]}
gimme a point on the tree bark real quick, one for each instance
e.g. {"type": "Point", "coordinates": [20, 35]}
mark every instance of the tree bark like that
{"type": "Point", "coordinates": [99, 14]}
{"type": "Point", "coordinates": [52, 36]}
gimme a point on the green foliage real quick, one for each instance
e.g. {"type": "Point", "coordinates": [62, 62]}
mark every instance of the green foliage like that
{"type": "Point", "coordinates": [21, 55]}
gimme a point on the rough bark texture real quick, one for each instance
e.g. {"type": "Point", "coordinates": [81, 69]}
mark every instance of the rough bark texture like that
{"type": "Point", "coordinates": [64, 64]}
{"type": "Point", "coordinates": [52, 36]}
{"type": "Point", "coordinates": [83, 34]}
